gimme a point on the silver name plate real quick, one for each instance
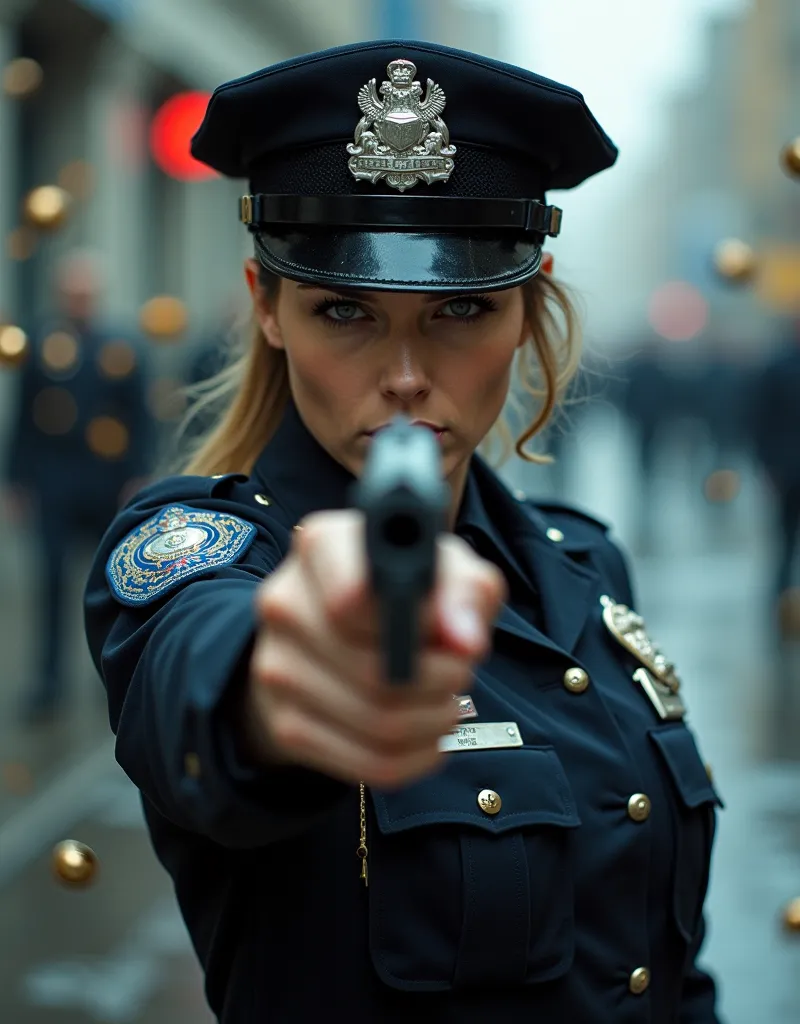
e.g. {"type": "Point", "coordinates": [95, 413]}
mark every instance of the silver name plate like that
{"type": "Point", "coordinates": [482, 736]}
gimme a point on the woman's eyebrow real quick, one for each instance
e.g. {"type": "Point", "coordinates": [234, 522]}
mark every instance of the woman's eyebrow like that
{"type": "Point", "coordinates": [359, 295]}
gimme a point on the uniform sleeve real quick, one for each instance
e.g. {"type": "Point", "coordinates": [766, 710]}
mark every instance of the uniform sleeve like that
{"type": "Point", "coordinates": [172, 670]}
{"type": "Point", "coordinates": [699, 1001]}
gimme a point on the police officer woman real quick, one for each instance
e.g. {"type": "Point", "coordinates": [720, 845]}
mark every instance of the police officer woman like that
{"type": "Point", "coordinates": [524, 832]}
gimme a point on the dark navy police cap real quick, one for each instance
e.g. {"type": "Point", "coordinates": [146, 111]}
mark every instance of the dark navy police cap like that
{"type": "Point", "coordinates": [397, 165]}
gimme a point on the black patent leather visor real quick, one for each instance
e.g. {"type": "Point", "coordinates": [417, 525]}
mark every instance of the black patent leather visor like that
{"type": "Point", "coordinates": [399, 260]}
{"type": "Point", "coordinates": [390, 244]}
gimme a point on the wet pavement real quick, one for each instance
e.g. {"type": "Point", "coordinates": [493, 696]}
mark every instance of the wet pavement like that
{"type": "Point", "coordinates": [117, 953]}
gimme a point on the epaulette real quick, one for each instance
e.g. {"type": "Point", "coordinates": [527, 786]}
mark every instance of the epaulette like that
{"type": "Point", "coordinates": [557, 510]}
{"type": "Point", "coordinates": [570, 527]}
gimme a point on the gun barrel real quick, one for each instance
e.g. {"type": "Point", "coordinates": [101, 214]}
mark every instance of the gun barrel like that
{"type": "Point", "coordinates": [404, 498]}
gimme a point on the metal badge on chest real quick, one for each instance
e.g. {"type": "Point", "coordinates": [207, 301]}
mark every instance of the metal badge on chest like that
{"type": "Point", "coordinates": [657, 676]}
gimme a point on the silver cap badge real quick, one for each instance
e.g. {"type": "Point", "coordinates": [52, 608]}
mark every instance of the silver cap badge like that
{"type": "Point", "coordinates": [401, 137]}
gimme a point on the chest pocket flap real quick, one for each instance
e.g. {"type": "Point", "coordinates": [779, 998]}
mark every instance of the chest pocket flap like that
{"type": "Point", "coordinates": [685, 765]}
{"type": "Point", "coordinates": [464, 898]}
{"type": "Point", "coordinates": [530, 782]}
{"type": "Point", "coordinates": [694, 827]}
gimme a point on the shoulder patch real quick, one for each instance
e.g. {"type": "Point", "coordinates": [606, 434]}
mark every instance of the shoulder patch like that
{"type": "Point", "coordinates": [172, 546]}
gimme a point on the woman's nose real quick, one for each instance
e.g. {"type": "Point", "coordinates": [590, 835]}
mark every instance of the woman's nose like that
{"type": "Point", "coordinates": [405, 378]}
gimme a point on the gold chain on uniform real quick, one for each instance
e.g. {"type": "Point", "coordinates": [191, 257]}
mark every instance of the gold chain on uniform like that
{"type": "Point", "coordinates": [362, 847]}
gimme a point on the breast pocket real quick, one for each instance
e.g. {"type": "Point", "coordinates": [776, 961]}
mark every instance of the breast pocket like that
{"type": "Point", "coordinates": [695, 823]}
{"type": "Point", "coordinates": [470, 874]}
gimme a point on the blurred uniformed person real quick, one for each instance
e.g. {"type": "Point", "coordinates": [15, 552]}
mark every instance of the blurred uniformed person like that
{"type": "Point", "coordinates": [523, 832]}
{"type": "Point", "coordinates": [648, 400]}
{"type": "Point", "coordinates": [776, 434]}
{"type": "Point", "coordinates": [79, 445]}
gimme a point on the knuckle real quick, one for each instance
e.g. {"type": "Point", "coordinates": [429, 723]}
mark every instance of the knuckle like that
{"type": "Point", "coordinates": [273, 669]}
{"type": "Point", "coordinates": [334, 605]}
{"type": "Point", "coordinates": [287, 729]}
{"type": "Point", "coordinates": [280, 601]}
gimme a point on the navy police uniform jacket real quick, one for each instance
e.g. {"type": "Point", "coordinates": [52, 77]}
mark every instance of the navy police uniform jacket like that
{"type": "Point", "coordinates": [580, 900]}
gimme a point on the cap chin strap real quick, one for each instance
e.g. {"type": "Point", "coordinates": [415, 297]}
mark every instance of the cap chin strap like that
{"type": "Point", "coordinates": [391, 213]}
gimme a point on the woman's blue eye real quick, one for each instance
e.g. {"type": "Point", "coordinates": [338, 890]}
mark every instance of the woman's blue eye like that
{"type": "Point", "coordinates": [344, 311]}
{"type": "Point", "coordinates": [469, 308]}
{"type": "Point", "coordinates": [462, 308]}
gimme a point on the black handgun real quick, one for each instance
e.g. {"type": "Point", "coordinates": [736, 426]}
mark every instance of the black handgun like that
{"type": "Point", "coordinates": [405, 499]}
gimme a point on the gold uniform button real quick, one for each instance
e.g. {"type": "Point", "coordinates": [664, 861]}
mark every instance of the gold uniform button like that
{"type": "Point", "coordinates": [576, 680]}
{"type": "Point", "coordinates": [710, 773]}
{"type": "Point", "coordinates": [262, 499]}
{"type": "Point", "coordinates": [191, 765]}
{"type": "Point", "coordinates": [555, 535]}
{"type": "Point", "coordinates": [639, 981]}
{"type": "Point", "coordinates": [639, 807]}
{"type": "Point", "coordinates": [489, 801]}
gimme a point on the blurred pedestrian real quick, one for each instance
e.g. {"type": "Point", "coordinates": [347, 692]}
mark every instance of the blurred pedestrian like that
{"type": "Point", "coordinates": [79, 445]}
{"type": "Point", "coordinates": [646, 396]}
{"type": "Point", "coordinates": [776, 436]}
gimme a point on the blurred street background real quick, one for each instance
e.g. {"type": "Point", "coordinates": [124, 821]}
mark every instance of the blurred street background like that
{"type": "Point", "coordinates": [121, 278]}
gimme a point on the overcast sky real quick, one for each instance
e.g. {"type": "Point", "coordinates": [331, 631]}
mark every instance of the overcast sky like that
{"type": "Point", "coordinates": [624, 55]}
{"type": "Point", "coordinates": [627, 57]}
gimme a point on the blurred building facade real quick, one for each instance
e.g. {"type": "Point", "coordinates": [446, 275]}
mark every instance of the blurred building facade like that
{"type": "Point", "coordinates": [720, 177]}
{"type": "Point", "coordinates": [108, 67]}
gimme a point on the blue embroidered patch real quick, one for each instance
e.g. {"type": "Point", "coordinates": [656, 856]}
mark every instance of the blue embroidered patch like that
{"type": "Point", "coordinates": [177, 543]}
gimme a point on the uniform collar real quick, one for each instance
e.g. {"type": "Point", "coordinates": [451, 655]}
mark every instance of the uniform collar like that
{"type": "Point", "coordinates": [297, 472]}
{"type": "Point", "coordinates": [564, 584]}
{"type": "Point", "coordinates": [301, 477]}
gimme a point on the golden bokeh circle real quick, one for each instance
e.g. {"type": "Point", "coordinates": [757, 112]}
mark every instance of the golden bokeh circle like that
{"type": "Point", "coordinates": [14, 345]}
{"type": "Point", "coordinates": [22, 77]}
{"type": "Point", "coordinates": [55, 411]}
{"type": "Point", "coordinates": [164, 318]}
{"type": "Point", "coordinates": [74, 864]}
{"type": "Point", "coordinates": [47, 207]}
{"type": "Point", "coordinates": [791, 916]}
{"type": "Point", "coordinates": [735, 261]}
{"type": "Point", "coordinates": [722, 486]}
{"type": "Point", "coordinates": [790, 158]}
{"type": "Point", "coordinates": [21, 244]}
{"type": "Point", "coordinates": [107, 437]}
{"type": "Point", "coordinates": [60, 352]}
{"type": "Point", "coordinates": [116, 359]}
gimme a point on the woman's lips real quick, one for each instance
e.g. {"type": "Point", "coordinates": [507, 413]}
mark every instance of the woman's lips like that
{"type": "Point", "coordinates": [438, 431]}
